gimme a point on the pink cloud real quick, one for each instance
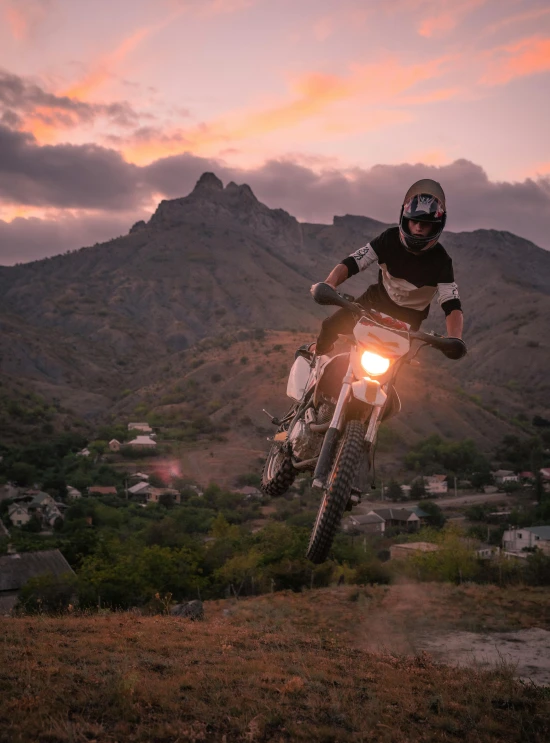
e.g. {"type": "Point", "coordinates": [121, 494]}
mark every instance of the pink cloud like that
{"type": "Point", "coordinates": [525, 57]}
{"type": "Point", "coordinates": [24, 17]}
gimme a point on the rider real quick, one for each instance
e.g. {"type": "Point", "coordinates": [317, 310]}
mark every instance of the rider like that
{"type": "Point", "coordinates": [414, 267]}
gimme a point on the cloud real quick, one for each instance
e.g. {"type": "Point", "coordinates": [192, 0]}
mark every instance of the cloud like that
{"type": "Point", "coordinates": [93, 188]}
{"type": "Point", "coordinates": [21, 98]}
{"type": "Point", "coordinates": [444, 15]}
{"type": "Point", "coordinates": [66, 176]}
{"type": "Point", "coordinates": [28, 239]}
{"type": "Point", "coordinates": [25, 16]}
{"type": "Point", "coordinates": [310, 95]}
{"type": "Point", "coordinates": [525, 57]}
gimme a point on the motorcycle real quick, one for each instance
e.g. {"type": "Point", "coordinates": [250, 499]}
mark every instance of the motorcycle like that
{"type": "Point", "coordinates": [338, 405]}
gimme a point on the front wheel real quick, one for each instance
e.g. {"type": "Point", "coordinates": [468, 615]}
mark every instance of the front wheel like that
{"type": "Point", "coordinates": [337, 493]}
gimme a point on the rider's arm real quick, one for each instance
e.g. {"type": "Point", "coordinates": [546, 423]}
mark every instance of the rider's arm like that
{"type": "Point", "coordinates": [455, 323]}
{"type": "Point", "coordinates": [337, 276]}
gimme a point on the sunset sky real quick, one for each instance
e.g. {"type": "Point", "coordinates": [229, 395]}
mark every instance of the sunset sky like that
{"type": "Point", "coordinates": [323, 106]}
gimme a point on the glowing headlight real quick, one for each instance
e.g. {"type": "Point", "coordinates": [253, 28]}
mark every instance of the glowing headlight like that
{"type": "Point", "coordinates": [374, 364]}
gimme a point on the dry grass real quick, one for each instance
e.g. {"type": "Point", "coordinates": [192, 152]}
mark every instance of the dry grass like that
{"type": "Point", "coordinates": [275, 668]}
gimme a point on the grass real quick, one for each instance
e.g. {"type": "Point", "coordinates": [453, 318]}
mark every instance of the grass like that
{"type": "Point", "coordinates": [284, 667]}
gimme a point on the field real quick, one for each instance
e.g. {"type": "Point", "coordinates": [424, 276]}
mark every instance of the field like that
{"type": "Point", "coordinates": [325, 665]}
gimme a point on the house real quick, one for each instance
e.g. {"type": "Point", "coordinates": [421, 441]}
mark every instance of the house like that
{"type": "Point", "coordinates": [422, 515]}
{"type": "Point", "coordinates": [139, 489]}
{"type": "Point", "coordinates": [520, 539]}
{"type": "Point", "coordinates": [18, 514]}
{"type": "Point", "coordinates": [73, 493]}
{"type": "Point", "coordinates": [545, 473]}
{"type": "Point", "coordinates": [114, 445]}
{"type": "Point", "coordinates": [504, 476]}
{"type": "Point", "coordinates": [138, 477]}
{"type": "Point", "coordinates": [398, 517]}
{"type": "Point", "coordinates": [50, 514]}
{"type": "Point", "coordinates": [486, 551]}
{"type": "Point", "coordinates": [368, 523]}
{"type": "Point", "coordinates": [153, 494]}
{"type": "Point", "coordinates": [83, 452]}
{"type": "Point", "coordinates": [102, 490]}
{"type": "Point", "coordinates": [436, 484]}
{"type": "Point", "coordinates": [142, 442]}
{"type": "Point", "coordinates": [144, 427]}
{"type": "Point", "coordinates": [410, 549]}
{"type": "Point", "coordinates": [40, 501]}
{"type": "Point", "coordinates": [17, 569]}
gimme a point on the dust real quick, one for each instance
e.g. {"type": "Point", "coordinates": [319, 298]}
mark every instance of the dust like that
{"type": "Point", "coordinates": [410, 620]}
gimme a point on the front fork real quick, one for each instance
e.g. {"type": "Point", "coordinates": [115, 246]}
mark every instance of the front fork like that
{"type": "Point", "coordinates": [324, 462]}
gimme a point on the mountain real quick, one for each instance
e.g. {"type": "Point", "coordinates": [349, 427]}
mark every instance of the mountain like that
{"type": "Point", "coordinates": [88, 326]}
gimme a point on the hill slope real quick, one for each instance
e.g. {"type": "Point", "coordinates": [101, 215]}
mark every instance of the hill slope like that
{"type": "Point", "coordinates": [276, 668]}
{"type": "Point", "coordinates": [86, 326]}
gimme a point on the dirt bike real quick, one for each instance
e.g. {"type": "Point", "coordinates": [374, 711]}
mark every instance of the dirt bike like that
{"type": "Point", "coordinates": [339, 403]}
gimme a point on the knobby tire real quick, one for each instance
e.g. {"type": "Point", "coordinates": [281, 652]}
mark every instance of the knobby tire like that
{"type": "Point", "coordinates": [338, 491]}
{"type": "Point", "coordinates": [277, 481]}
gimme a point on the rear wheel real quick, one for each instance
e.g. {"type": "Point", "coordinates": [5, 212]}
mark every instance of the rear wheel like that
{"type": "Point", "coordinates": [278, 474]}
{"type": "Point", "coordinates": [337, 493]}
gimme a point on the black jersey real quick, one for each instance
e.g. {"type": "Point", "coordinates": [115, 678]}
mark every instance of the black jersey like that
{"type": "Point", "coordinates": [408, 280]}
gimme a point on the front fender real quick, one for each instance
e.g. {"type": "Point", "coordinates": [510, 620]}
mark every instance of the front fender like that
{"type": "Point", "coordinates": [369, 391]}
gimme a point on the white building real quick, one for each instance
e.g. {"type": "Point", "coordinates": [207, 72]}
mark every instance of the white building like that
{"type": "Point", "coordinates": [73, 493]}
{"type": "Point", "coordinates": [114, 445]}
{"type": "Point", "coordinates": [142, 442]}
{"type": "Point", "coordinates": [436, 484]}
{"type": "Point", "coordinates": [503, 476]}
{"type": "Point", "coordinates": [142, 426]}
{"type": "Point", "coordinates": [516, 540]}
{"type": "Point", "coordinates": [18, 514]}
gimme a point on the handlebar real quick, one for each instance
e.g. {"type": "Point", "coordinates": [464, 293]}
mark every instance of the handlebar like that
{"type": "Point", "coordinates": [452, 348]}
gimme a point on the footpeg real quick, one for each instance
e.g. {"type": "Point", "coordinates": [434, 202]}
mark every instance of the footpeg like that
{"type": "Point", "coordinates": [275, 421]}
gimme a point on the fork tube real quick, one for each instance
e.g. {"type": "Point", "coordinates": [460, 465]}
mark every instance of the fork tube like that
{"type": "Point", "coordinates": [331, 437]}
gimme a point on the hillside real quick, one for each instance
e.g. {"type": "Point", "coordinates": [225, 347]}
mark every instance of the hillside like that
{"type": "Point", "coordinates": [98, 327]}
{"type": "Point", "coordinates": [229, 384]}
{"type": "Point", "coordinates": [324, 665]}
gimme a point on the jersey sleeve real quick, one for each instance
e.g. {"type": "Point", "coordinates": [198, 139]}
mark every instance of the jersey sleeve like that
{"type": "Point", "coordinates": [447, 290]}
{"type": "Point", "coordinates": [366, 256]}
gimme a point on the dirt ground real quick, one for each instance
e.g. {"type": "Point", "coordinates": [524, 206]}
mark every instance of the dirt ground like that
{"type": "Point", "coordinates": [413, 618]}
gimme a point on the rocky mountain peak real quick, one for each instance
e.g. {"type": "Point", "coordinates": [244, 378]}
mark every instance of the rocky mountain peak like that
{"type": "Point", "coordinates": [208, 182]}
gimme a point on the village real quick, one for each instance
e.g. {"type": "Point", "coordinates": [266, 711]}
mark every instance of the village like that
{"type": "Point", "coordinates": [401, 512]}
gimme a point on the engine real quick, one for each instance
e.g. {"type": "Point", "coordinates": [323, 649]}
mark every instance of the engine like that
{"type": "Point", "coordinates": [306, 444]}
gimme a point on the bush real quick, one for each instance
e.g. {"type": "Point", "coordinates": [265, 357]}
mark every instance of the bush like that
{"type": "Point", "coordinates": [47, 594]}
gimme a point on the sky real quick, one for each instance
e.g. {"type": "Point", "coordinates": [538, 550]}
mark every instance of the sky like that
{"type": "Point", "coordinates": [324, 107]}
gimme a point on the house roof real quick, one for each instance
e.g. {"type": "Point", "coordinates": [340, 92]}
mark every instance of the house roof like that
{"type": "Point", "coordinates": [545, 471]}
{"type": "Point", "coordinates": [418, 546]}
{"type": "Point", "coordinates": [17, 507]}
{"type": "Point", "coordinates": [367, 518]}
{"type": "Point", "coordinates": [138, 487]}
{"type": "Point", "coordinates": [503, 473]}
{"type": "Point", "coordinates": [395, 514]}
{"type": "Point", "coordinates": [114, 441]}
{"type": "Point", "coordinates": [142, 441]}
{"type": "Point", "coordinates": [542, 532]}
{"type": "Point", "coordinates": [419, 512]}
{"type": "Point", "coordinates": [103, 489]}
{"type": "Point", "coordinates": [40, 498]}
{"type": "Point", "coordinates": [15, 570]}
{"type": "Point", "coordinates": [436, 478]}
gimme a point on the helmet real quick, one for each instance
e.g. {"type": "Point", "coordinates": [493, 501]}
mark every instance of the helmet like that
{"type": "Point", "coordinates": [424, 202]}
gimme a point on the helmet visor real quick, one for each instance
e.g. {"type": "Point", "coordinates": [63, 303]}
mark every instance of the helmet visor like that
{"type": "Point", "coordinates": [423, 208]}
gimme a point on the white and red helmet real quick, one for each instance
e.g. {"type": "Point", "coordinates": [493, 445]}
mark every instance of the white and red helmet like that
{"type": "Point", "coordinates": [424, 202]}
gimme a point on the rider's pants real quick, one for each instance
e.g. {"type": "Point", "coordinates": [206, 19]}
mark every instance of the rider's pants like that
{"type": "Point", "coordinates": [342, 321]}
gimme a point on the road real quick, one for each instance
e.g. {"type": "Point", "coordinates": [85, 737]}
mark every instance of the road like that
{"type": "Point", "coordinates": [450, 501]}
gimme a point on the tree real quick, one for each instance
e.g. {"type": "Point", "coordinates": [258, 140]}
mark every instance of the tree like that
{"type": "Point", "coordinates": [418, 489]}
{"type": "Point", "coordinates": [167, 500]}
{"type": "Point", "coordinates": [435, 514]}
{"type": "Point", "coordinates": [394, 491]}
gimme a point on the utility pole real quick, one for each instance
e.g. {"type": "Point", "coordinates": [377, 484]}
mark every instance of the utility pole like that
{"type": "Point", "coordinates": [455, 488]}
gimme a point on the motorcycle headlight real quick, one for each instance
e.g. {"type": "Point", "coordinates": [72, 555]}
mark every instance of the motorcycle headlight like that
{"type": "Point", "coordinates": [374, 364]}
